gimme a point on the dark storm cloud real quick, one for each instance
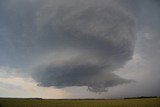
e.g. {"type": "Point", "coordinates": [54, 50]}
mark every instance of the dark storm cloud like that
{"type": "Point", "coordinates": [103, 32]}
{"type": "Point", "coordinates": [77, 70]}
{"type": "Point", "coordinates": [77, 42]}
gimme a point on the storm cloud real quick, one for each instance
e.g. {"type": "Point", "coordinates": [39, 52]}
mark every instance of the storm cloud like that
{"type": "Point", "coordinates": [71, 42]}
{"type": "Point", "coordinates": [91, 41]}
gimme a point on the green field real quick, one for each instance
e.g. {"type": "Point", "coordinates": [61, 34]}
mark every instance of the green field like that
{"type": "Point", "coordinates": [150, 102]}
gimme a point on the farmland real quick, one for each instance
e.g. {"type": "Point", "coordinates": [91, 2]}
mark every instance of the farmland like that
{"type": "Point", "coordinates": [147, 102]}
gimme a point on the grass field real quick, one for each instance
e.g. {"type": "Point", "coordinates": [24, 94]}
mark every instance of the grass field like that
{"type": "Point", "coordinates": [150, 102]}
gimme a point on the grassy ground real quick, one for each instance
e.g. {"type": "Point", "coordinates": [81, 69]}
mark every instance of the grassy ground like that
{"type": "Point", "coordinates": [151, 102]}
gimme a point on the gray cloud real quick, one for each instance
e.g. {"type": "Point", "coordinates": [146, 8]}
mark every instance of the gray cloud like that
{"type": "Point", "coordinates": [78, 69]}
{"type": "Point", "coordinates": [147, 46]}
{"type": "Point", "coordinates": [103, 32]}
{"type": "Point", "coordinates": [71, 42]}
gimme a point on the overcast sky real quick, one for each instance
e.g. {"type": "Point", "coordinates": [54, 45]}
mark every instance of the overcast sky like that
{"type": "Point", "coordinates": [79, 48]}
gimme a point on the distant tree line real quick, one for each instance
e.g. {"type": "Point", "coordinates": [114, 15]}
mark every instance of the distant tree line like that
{"type": "Point", "coordinates": [141, 97]}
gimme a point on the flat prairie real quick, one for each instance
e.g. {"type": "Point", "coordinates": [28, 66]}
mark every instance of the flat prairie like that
{"type": "Point", "coordinates": [29, 102]}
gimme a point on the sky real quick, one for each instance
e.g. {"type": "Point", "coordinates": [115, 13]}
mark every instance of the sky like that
{"type": "Point", "coordinates": [79, 48]}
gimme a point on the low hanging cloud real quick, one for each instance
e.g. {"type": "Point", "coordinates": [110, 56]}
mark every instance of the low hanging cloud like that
{"type": "Point", "coordinates": [92, 40]}
{"type": "Point", "coordinates": [74, 42]}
